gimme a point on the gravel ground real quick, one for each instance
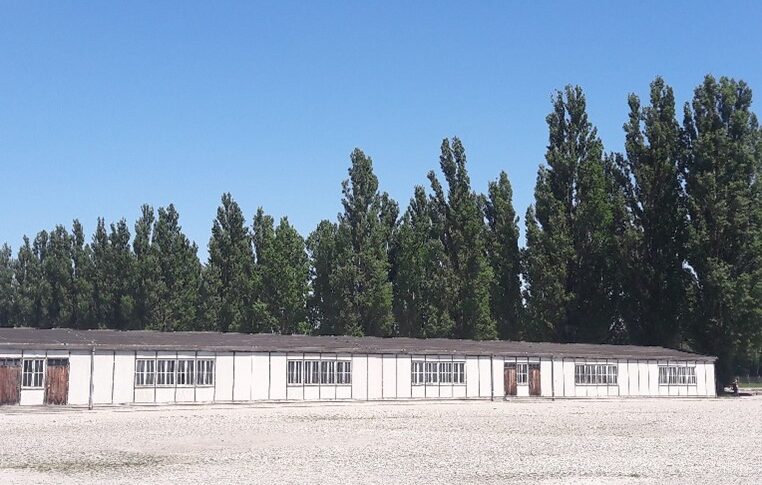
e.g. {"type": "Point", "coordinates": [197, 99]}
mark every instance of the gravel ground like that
{"type": "Point", "coordinates": [616, 441]}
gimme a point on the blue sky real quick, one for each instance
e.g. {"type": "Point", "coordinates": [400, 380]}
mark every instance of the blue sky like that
{"type": "Point", "coordinates": [106, 106]}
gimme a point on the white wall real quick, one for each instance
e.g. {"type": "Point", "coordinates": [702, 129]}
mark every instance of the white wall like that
{"type": "Point", "coordinates": [258, 376]}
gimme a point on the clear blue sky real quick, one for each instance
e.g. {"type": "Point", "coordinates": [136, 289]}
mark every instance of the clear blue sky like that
{"type": "Point", "coordinates": [106, 106]}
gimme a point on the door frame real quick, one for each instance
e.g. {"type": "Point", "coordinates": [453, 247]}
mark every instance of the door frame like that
{"type": "Point", "coordinates": [67, 370]}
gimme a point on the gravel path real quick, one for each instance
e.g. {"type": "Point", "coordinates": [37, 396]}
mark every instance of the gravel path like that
{"type": "Point", "coordinates": [616, 441]}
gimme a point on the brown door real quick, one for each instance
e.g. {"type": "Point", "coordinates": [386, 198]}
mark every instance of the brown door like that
{"type": "Point", "coordinates": [10, 376]}
{"type": "Point", "coordinates": [534, 380]}
{"type": "Point", "coordinates": [509, 375]}
{"type": "Point", "coordinates": [57, 381]}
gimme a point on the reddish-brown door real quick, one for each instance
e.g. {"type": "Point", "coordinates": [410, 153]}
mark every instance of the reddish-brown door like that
{"type": "Point", "coordinates": [534, 380]}
{"type": "Point", "coordinates": [509, 375]}
{"type": "Point", "coordinates": [10, 375]}
{"type": "Point", "coordinates": [57, 381]}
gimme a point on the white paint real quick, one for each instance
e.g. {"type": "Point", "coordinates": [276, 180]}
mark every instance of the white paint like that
{"type": "Point", "coordinates": [261, 376]}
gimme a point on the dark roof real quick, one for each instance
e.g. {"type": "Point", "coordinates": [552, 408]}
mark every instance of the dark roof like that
{"type": "Point", "coordinates": [61, 338]}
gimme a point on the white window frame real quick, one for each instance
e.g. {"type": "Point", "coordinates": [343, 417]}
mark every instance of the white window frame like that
{"type": "Point", "coordinates": [319, 372]}
{"type": "Point", "coordinates": [522, 373]}
{"type": "Point", "coordinates": [145, 372]}
{"type": "Point", "coordinates": [311, 372]}
{"type": "Point", "coordinates": [459, 373]}
{"type": "Point", "coordinates": [438, 372]}
{"type": "Point", "coordinates": [677, 375]}
{"type": "Point", "coordinates": [294, 371]}
{"type": "Point", "coordinates": [597, 374]}
{"type": "Point", "coordinates": [343, 372]}
{"type": "Point", "coordinates": [165, 372]}
{"type": "Point", "coordinates": [33, 373]}
{"type": "Point", "coordinates": [328, 372]}
{"type": "Point", "coordinates": [186, 372]}
{"type": "Point", "coordinates": [417, 373]}
{"type": "Point", "coordinates": [205, 372]}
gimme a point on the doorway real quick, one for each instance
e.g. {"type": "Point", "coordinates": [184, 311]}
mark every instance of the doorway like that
{"type": "Point", "coordinates": [534, 380]}
{"type": "Point", "coordinates": [57, 381]}
{"type": "Point", "coordinates": [10, 378]}
{"type": "Point", "coordinates": [509, 376]}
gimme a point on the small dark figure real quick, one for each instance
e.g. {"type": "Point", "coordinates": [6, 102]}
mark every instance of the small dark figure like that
{"type": "Point", "coordinates": [734, 385]}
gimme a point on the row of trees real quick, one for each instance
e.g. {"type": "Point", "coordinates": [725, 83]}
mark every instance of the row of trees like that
{"type": "Point", "coordinates": [660, 245]}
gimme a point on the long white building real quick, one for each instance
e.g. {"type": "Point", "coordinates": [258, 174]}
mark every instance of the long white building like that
{"type": "Point", "coordinates": [107, 367]}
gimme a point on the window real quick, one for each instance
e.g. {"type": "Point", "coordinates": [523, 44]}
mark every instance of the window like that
{"type": "Point", "coordinates": [432, 372]}
{"type": "Point", "coordinates": [295, 372]}
{"type": "Point", "coordinates": [522, 373]}
{"type": "Point", "coordinates": [343, 372]}
{"type": "Point", "coordinates": [445, 372]}
{"type": "Point", "coordinates": [316, 372]}
{"type": "Point", "coordinates": [327, 372]}
{"type": "Point", "coordinates": [185, 372]}
{"type": "Point", "coordinates": [459, 373]}
{"type": "Point", "coordinates": [165, 372]}
{"type": "Point", "coordinates": [438, 372]}
{"type": "Point", "coordinates": [417, 377]}
{"type": "Point", "coordinates": [205, 372]}
{"type": "Point", "coordinates": [144, 372]}
{"type": "Point", "coordinates": [4, 362]}
{"type": "Point", "coordinates": [677, 375]}
{"type": "Point", "coordinates": [312, 372]}
{"type": "Point", "coordinates": [32, 373]}
{"type": "Point", "coordinates": [595, 374]}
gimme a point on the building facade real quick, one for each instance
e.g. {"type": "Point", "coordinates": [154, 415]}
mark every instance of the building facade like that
{"type": "Point", "coordinates": [106, 367]}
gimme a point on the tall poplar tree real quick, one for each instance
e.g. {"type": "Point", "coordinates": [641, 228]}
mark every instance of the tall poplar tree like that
{"type": "Point", "coordinates": [322, 303]}
{"type": "Point", "coordinates": [113, 277]}
{"type": "Point", "coordinates": [26, 275]}
{"type": "Point", "coordinates": [284, 274]}
{"type": "Point", "coordinates": [464, 240]}
{"type": "Point", "coordinates": [423, 277]}
{"type": "Point", "coordinates": [724, 201]}
{"type": "Point", "coordinates": [228, 278]}
{"type": "Point", "coordinates": [147, 272]}
{"type": "Point", "coordinates": [569, 256]}
{"type": "Point", "coordinates": [361, 273]}
{"type": "Point", "coordinates": [505, 258]}
{"type": "Point", "coordinates": [6, 286]}
{"type": "Point", "coordinates": [657, 281]}
{"type": "Point", "coordinates": [81, 290]}
{"type": "Point", "coordinates": [58, 274]}
{"type": "Point", "coordinates": [179, 274]}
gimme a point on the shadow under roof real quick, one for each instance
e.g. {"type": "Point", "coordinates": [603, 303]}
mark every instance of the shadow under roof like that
{"type": "Point", "coordinates": [145, 340]}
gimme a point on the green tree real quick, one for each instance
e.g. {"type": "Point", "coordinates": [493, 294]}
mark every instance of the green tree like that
{"type": "Point", "coordinates": [81, 290]}
{"type": "Point", "coordinates": [179, 275]}
{"type": "Point", "coordinates": [147, 270]}
{"type": "Point", "coordinates": [113, 277]}
{"type": "Point", "coordinates": [724, 200]}
{"type": "Point", "coordinates": [322, 301]}
{"type": "Point", "coordinates": [27, 275]}
{"type": "Point", "coordinates": [569, 257]}
{"type": "Point", "coordinates": [6, 286]}
{"type": "Point", "coordinates": [422, 273]}
{"type": "Point", "coordinates": [464, 239]}
{"type": "Point", "coordinates": [228, 279]}
{"type": "Point", "coordinates": [58, 276]}
{"type": "Point", "coordinates": [657, 282]}
{"type": "Point", "coordinates": [361, 272]}
{"type": "Point", "coordinates": [505, 258]}
{"type": "Point", "coordinates": [284, 274]}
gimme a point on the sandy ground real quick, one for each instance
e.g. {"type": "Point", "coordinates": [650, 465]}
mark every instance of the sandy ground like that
{"type": "Point", "coordinates": [616, 441]}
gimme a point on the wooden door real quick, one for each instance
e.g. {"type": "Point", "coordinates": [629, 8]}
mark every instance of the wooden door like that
{"type": "Point", "coordinates": [534, 380]}
{"type": "Point", "coordinates": [10, 378]}
{"type": "Point", "coordinates": [509, 376]}
{"type": "Point", "coordinates": [57, 381]}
